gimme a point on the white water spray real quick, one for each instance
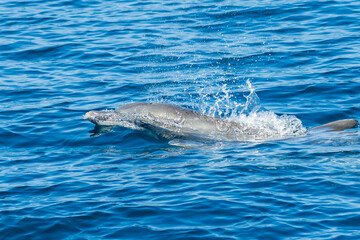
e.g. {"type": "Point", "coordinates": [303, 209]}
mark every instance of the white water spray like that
{"type": "Point", "coordinates": [267, 124]}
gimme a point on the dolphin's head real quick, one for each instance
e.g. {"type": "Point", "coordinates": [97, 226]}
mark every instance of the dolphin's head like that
{"type": "Point", "coordinates": [105, 118]}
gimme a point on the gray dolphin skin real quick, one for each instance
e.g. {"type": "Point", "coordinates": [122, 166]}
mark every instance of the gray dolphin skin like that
{"type": "Point", "coordinates": [171, 121]}
{"type": "Point", "coordinates": [337, 125]}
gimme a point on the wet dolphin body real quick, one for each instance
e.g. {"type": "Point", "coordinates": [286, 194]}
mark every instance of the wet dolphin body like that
{"type": "Point", "coordinates": [170, 121]}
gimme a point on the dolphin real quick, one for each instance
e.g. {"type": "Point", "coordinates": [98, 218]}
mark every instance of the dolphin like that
{"type": "Point", "coordinates": [170, 121]}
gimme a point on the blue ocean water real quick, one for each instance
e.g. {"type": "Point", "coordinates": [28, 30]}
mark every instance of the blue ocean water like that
{"type": "Point", "coordinates": [62, 58]}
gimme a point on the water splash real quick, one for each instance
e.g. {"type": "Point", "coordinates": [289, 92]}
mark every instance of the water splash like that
{"type": "Point", "coordinates": [252, 100]}
{"type": "Point", "coordinates": [250, 114]}
{"type": "Point", "coordinates": [270, 126]}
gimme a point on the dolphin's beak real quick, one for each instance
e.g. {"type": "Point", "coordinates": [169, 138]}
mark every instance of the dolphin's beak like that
{"type": "Point", "coordinates": [91, 115]}
{"type": "Point", "coordinates": [105, 117]}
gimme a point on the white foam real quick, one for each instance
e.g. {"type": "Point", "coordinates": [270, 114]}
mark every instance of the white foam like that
{"type": "Point", "coordinates": [266, 124]}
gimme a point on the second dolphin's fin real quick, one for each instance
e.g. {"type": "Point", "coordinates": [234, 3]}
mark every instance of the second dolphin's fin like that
{"type": "Point", "coordinates": [337, 125]}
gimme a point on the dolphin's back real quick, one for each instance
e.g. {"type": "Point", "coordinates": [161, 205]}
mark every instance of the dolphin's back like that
{"type": "Point", "coordinates": [162, 110]}
{"type": "Point", "coordinates": [161, 117]}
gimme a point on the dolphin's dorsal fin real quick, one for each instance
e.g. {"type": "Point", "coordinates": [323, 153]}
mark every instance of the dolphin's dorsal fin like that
{"type": "Point", "coordinates": [337, 125]}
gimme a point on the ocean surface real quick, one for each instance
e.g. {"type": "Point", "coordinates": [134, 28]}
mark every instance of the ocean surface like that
{"type": "Point", "coordinates": [269, 63]}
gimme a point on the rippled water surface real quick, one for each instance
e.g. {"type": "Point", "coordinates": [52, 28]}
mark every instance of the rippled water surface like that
{"type": "Point", "coordinates": [62, 58]}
